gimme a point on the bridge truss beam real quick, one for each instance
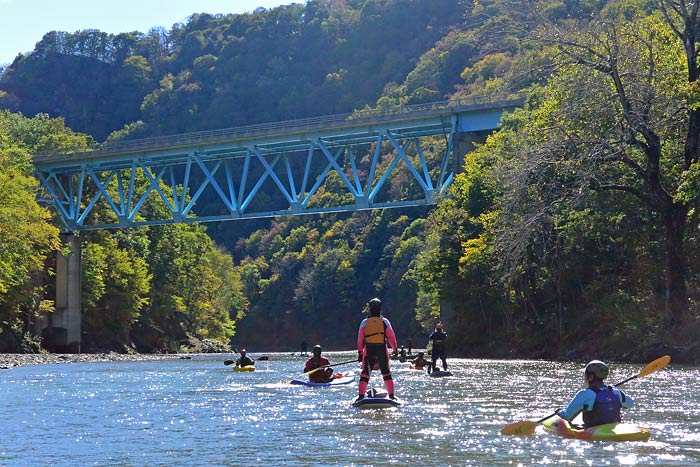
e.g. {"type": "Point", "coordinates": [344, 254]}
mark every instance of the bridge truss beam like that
{"type": "Point", "coordinates": [335, 165]}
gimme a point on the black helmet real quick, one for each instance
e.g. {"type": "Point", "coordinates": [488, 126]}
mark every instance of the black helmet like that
{"type": "Point", "coordinates": [375, 305]}
{"type": "Point", "coordinates": [317, 348]}
{"type": "Point", "coordinates": [598, 369]}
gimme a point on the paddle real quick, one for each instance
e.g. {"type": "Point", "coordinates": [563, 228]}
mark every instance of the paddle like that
{"type": "Point", "coordinates": [260, 359]}
{"type": "Point", "coordinates": [231, 362]}
{"type": "Point", "coordinates": [527, 427]}
{"type": "Point", "coordinates": [327, 366]}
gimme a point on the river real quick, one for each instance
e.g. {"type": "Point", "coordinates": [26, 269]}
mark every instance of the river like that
{"type": "Point", "coordinates": [198, 412]}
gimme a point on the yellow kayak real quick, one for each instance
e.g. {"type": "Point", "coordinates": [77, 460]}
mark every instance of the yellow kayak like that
{"type": "Point", "coordinates": [244, 368]}
{"type": "Point", "coordinates": [607, 432]}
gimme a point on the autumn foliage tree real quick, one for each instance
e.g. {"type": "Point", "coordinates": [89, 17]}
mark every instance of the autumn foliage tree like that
{"type": "Point", "coordinates": [621, 118]}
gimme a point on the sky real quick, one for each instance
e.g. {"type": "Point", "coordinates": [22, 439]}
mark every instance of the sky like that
{"type": "Point", "coordinates": [24, 22]}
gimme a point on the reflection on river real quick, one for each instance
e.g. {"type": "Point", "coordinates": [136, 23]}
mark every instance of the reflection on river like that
{"type": "Point", "coordinates": [200, 413]}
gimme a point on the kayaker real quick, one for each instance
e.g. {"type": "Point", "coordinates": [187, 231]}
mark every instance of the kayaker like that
{"type": "Point", "coordinates": [321, 376]}
{"type": "Point", "coordinates": [402, 355]}
{"type": "Point", "coordinates": [599, 403]}
{"type": "Point", "coordinates": [372, 349]}
{"type": "Point", "coordinates": [438, 339]}
{"type": "Point", "coordinates": [419, 362]}
{"type": "Point", "coordinates": [244, 360]}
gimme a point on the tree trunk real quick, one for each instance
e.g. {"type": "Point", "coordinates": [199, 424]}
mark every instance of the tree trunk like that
{"type": "Point", "coordinates": [677, 305]}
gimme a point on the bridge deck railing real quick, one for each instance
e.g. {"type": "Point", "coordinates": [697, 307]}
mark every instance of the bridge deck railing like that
{"type": "Point", "coordinates": [287, 126]}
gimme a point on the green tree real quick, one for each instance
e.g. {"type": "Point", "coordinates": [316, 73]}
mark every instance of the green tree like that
{"type": "Point", "coordinates": [27, 236]}
{"type": "Point", "coordinates": [190, 275]}
{"type": "Point", "coordinates": [116, 290]}
{"type": "Point", "coordinates": [645, 141]}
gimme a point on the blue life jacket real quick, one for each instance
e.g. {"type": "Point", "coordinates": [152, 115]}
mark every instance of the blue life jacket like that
{"type": "Point", "coordinates": [606, 408]}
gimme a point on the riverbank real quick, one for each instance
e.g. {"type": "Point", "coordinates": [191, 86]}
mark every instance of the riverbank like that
{"type": "Point", "coordinates": [12, 360]}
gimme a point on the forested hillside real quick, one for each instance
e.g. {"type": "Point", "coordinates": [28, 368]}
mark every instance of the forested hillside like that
{"type": "Point", "coordinates": [224, 71]}
{"type": "Point", "coordinates": [570, 232]}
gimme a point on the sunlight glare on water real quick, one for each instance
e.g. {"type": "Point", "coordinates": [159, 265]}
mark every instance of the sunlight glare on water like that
{"type": "Point", "coordinates": [200, 413]}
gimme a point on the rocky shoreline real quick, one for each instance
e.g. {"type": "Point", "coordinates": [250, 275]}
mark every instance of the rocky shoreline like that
{"type": "Point", "coordinates": [12, 360]}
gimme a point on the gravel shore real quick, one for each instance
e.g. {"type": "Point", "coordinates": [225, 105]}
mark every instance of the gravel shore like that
{"type": "Point", "coordinates": [11, 360]}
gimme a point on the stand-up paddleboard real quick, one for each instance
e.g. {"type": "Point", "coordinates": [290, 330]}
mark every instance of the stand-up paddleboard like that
{"type": "Point", "coordinates": [333, 382]}
{"type": "Point", "coordinates": [439, 374]}
{"type": "Point", "coordinates": [376, 403]}
{"type": "Point", "coordinates": [244, 368]}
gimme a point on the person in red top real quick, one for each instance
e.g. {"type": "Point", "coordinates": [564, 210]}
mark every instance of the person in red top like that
{"type": "Point", "coordinates": [372, 337]}
{"type": "Point", "coordinates": [323, 375]}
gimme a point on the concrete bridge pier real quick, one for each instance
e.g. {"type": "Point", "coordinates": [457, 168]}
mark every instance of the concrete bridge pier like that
{"type": "Point", "coordinates": [61, 329]}
{"type": "Point", "coordinates": [463, 144]}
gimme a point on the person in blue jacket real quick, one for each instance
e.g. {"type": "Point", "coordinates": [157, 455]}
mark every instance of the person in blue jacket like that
{"type": "Point", "coordinates": [599, 403]}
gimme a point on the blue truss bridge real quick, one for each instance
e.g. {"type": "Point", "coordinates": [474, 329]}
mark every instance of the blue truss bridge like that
{"type": "Point", "coordinates": [404, 156]}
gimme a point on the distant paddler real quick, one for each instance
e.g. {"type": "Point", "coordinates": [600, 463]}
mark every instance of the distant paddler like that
{"type": "Point", "coordinates": [324, 372]}
{"type": "Point", "coordinates": [419, 362]}
{"type": "Point", "coordinates": [438, 343]}
{"type": "Point", "coordinates": [244, 360]}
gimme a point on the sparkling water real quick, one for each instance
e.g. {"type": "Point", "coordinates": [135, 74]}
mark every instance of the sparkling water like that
{"type": "Point", "coordinates": [198, 412]}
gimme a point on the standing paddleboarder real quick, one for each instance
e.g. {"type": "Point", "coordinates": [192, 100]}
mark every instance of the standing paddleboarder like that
{"type": "Point", "coordinates": [372, 350]}
{"type": "Point", "coordinates": [438, 341]}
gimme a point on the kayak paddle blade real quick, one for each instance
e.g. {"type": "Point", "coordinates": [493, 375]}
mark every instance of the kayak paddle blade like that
{"type": "Point", "coordinates": [655, 366]}
{"type": "Point", "coordinates": [658, 364]}
{"type": "Point", "coordinates": [522, 428]}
